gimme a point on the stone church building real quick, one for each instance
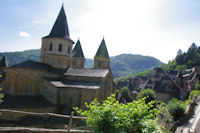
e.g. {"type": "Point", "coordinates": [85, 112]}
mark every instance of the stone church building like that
{"type": "Point", "coordinates": [60, 76]}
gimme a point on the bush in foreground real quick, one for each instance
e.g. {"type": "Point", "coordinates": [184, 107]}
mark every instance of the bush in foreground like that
{"type": "Point", "coordinates": [148, 93]}
{"type": "Point", "coordinates": [176, 109]}
{"type": "Point", "coordinates": [114, 117]}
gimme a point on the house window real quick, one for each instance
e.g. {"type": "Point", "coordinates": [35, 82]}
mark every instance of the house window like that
{"type": "Point", "coordinates": [11, 89]}
{"type": "Point", "coordinates": [29, 90]}
{"type": "Point", "coordinates": [60, 47]}
{"type": "Point", "coordinates": [51, 46]}
{"type": "Point", "coordinates": [45, 49]}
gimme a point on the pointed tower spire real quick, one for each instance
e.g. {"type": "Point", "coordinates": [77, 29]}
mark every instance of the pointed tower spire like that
{"type": "Point", "coordinates": [102, 59]}
{"type": "Point", "coordinates": [77, 51]}
{"type": "Point", "coordinates": [102, 51]}
{"type": "Point", "coordinates": [60, 28]}
{"type": "Point", "coordinates": [78, 59]}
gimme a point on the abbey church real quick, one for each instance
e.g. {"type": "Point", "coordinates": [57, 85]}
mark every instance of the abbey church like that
{"type": "Point", "coordinates": [60, 76]}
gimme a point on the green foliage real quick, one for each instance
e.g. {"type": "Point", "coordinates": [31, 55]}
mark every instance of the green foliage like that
{"type": "Point", "coordinates": [148, 93]}
{"type": "Point", "coordinates": [197, 86]}
{"type": "Point", "coordinates": [126, 93]}
{"type": "Point", "coordinates": [176, 109]}
{"type": "Point", "coordinates": [145, 73]}
{"type": "Point", "coordinates": [113, 117]}
{"type": "Point", "coordinates": [185, 60]}
{"type": "Point", "coordinates": [124, 78]}
{"type": "Point", "coordinates": [194, 94]}
{"type": "Point", "coordinates": [1, 96]}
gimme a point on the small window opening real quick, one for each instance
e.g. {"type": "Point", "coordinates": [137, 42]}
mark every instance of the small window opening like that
{"type": "Point", "coordinates": [51, 46]}
{"type": "Point", "coordinates": [60, 47]}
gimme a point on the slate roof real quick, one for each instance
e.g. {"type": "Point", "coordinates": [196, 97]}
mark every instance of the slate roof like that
{"type": "Point", "coordinates": [60, 28]}
{"type": "Point", "coordinates": [38, 66]}
{"type": "Point", "coordinates": [3, 62]}
{"type": "Point", "coordinates": [87, 72]}
{"type": "Point", "coordinates": [76, 84]}
{"type": "Point", "coordinates": [102, 51]}
{"type": "Point", "coordinates": [77, 51]}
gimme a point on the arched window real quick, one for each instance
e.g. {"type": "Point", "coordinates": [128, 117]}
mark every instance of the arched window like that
{"type": "Point", "coordinates": [60, 47]}
{"type": "Point", "coordinates": [51, 46]}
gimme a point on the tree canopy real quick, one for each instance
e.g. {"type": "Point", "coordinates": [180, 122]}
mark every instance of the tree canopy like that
{"type": "Point", "coordinates": [114, 117]}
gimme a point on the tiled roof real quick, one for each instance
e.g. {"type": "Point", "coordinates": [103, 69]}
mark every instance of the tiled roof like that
{"type": "Point", "coordinates": [77, 51]}
{"type": "Point", "coordinates": [60, 28]}
{"type": "Point", "coordinates": [102, 51]}
{"type": "Point", "coordinates": [76, 84]}
{"type": "Point", "coordinates": [87, 72]}
{"type": "Point", "coordinates": [38, 66]}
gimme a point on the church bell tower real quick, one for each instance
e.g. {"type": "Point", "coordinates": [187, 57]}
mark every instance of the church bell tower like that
{"type": "Point", "coordinates": [57, 46]}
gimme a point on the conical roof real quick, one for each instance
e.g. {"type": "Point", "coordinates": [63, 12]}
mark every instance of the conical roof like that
{"type": "Point", "coordinates": [3, 62]}
{"type": "Point", "coordinates": [60, 27]}
{"type": "Point", "coordinates": [102, 51]}
{"type": "Point", "coordinates": [77, 51]}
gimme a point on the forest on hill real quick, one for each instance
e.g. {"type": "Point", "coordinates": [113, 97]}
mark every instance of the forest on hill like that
{"type": "Point", "coordinates": [121, 65]}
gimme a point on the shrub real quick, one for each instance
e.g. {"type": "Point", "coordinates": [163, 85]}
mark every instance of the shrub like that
{"type": "Point", "coordinates": [194, 94]}
{"type": "Point", "coordinates": [125, 92]}
{"type": "Point", "coordinates": [176, 109]}
{"type": "Point", "coordinates": [148, 93]}
{"type": "Point", "coordinates": [113, 117]}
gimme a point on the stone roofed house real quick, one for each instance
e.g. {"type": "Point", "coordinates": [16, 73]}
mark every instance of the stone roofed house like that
{"type": "Point", "coordinates": [163, 84]}
{"type": "Point", "coordinates": [187, 80]}
{"type": "Point", "coordinates": [60, 76]}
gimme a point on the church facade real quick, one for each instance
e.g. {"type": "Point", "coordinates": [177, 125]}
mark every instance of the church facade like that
{"type": "Point", "coordinates": [60, 76]}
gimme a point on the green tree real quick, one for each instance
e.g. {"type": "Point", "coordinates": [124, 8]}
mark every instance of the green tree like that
{"type": "Point", "coordinates": [113, 117]}
{"type": "Point", "coordinates": [194, 94]}
{"type": "Point", "coordinates": [148, 93]}
{"type": "Point", "coordinates": [197, 86]}
{"type": "Point", "coordinates": [125, 92]}
{"type": "Point", "coordinates": [176, 109]}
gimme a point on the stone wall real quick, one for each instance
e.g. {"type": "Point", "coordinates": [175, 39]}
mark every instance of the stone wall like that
{"type": "Point", "coordinates": [101, 63]}
{"type": "Point", "coordinates": [54, 57]}
{"type": "Point", "coordinates": [24, 81]}
{"type": "Point", "coordinates": [57, 61]}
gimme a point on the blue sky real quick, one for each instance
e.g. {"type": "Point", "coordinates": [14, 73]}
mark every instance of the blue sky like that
{"type": "Point", "coordinates": [156, 28]}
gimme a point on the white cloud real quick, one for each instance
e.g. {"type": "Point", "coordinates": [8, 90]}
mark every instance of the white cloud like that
{"type": "Point", "coordinates": [24, 34]}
